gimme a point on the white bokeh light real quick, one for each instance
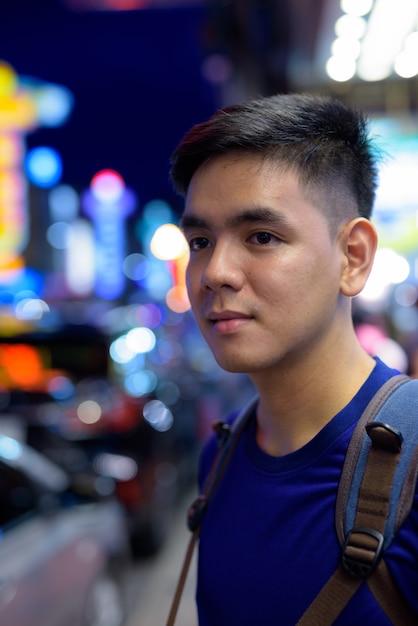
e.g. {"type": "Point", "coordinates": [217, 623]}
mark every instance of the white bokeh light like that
{"type": "Point", "coordinates": [140, 340]}
{"type": "Point", "coordinates": [168, 243]}
{"type": "Point", "coordinates": [390, 268]}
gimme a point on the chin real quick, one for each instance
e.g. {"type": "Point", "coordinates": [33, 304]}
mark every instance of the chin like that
{"type": "Point", "coordinates": [234, 365]}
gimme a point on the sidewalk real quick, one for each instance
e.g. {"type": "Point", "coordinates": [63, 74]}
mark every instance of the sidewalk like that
{"type": "Point", "coordinates": [155, 596]}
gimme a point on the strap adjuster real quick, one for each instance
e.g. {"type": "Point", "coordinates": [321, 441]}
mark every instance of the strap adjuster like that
{"type": "Point", "coordinates": [385, 436]}
{"type": "Point", "coordinates": [222, 431]}
{"type": "Point", "coordinates": [361, 551]}
{"type": "Point", "coordinates": [196, 512]}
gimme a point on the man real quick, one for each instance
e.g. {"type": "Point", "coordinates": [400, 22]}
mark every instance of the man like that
{"type": "Point", "coordinates": [278, 197]}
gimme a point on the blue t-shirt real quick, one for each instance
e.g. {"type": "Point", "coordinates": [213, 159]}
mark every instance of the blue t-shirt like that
{"type": "Point", "coordinates": [268, 542]}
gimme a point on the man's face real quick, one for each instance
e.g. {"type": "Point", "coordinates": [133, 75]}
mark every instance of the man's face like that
{"type": "Point", "coordinates": [264, 271]}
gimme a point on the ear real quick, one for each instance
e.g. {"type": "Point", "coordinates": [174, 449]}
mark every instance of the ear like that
{"type": "Point", "coordinates": [358, 245]}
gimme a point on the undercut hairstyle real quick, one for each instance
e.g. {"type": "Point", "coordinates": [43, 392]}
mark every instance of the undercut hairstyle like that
{"type": "Point", "coordinates": [323, 140]}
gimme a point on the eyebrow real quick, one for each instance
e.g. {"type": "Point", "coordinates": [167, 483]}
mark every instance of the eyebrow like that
{"type": "Point", "coordinates": [248, 216]}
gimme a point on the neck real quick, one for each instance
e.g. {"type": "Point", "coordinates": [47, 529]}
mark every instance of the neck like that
{"type": "Point", "coordinates": [296, 403]}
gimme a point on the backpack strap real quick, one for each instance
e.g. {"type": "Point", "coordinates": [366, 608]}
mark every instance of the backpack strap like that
{"type": "Point", "coordinates": [227, 436]}
{"type": "Point", "coordinates": [375, 495]}
{"type": "Point", "coordinates": [395, 404]}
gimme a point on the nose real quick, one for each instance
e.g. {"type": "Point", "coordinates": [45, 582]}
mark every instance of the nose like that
{"type": "Point", "coordinates": [223, 269]}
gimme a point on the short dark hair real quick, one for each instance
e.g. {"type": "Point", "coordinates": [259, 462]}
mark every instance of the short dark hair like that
{"type": "Point", "coordinates": [324, 140]}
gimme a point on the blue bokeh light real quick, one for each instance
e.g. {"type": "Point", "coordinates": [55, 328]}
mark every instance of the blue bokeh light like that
{"type": "Point", "coordinates": [43, 166]}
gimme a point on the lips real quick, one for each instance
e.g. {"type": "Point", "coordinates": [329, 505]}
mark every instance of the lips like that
{"type": "Point", "coordinates": [227, 315]}
{"type": "Point", "coordinates": [227, 322]}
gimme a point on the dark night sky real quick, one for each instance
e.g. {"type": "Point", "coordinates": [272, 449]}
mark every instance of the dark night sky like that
{"type": "Point", "coordinates": [136, 79]}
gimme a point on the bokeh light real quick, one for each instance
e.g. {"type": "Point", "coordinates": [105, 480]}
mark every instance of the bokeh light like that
{"type": "Point", "coordinates": [43, 166]}
{"type": "Point", "coordinates": [140, 383]}
{"type": "Point", "coordinates": [168, 242]}
{"type": "Point", "coordinates": [54, 104]}
{"type": "Point", "coordinates": [140, 340]}
{"type": "Point", "coordinates": [150, 315]}
{"type": "Point", "coordinates": [89, 412]}
{"type": "Point", "coordinates": [390, 268]}
{"type": "Point", "coordinates": [136, 266]}
{"type": "Point", "coordinates": [59, 234]}
{"type": "Point", "coordinates": [177, 299]}
{"type": "Point", "coordinates": [158, 415]}
{"type": "Point", "coordinates": [64, 203]}
{"type": "Point", "coordinates": [107, 186]}
{"type": "Point", "coordinates": [8, 79]}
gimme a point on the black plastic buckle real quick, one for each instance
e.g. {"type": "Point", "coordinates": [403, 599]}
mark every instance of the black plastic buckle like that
{"type": "Point", "coordinates": [196, 512]}
{"type": "Point", "coordinates": [354, 566]}
{"type": "Point", "coordinates": [222, 431]}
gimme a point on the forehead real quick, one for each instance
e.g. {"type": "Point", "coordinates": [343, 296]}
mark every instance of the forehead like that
{"type": "Point", "coordinates": [239, 166]}
{"type": "Point", "coordinates": [234, 183]}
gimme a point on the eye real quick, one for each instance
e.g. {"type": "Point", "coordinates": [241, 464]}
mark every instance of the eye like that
{"type": "Point", "coordinates": [263, 238]}
{"type": "Point", "coordinates": [198, 243]}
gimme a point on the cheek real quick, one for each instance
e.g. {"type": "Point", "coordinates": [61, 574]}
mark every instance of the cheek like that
{"type": "Point", "coordinates": [299, 284]}
{"type": "Point", "coordinates": [193, 281]}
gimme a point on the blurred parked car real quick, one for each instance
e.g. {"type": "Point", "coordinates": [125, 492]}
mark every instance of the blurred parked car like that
{"type": "Point", "coordinates": [61, 545]}
{"type": "Point", "coordinates": [59, 384]}
{"type": "Point", "coordinates": [134, 465]}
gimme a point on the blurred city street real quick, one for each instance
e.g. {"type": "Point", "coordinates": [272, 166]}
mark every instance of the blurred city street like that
{"type": "Point", "coordinates": [108, 389]}
{"type": "Point", "coordinates": [151, 584]}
